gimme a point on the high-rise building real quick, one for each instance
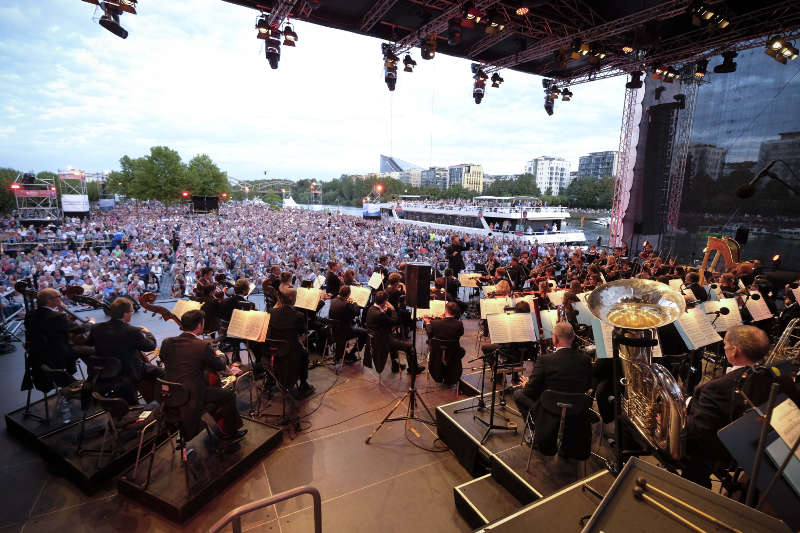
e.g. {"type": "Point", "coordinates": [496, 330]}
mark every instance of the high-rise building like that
{"type": "Point", "coordinates": [467, 175]}
{"type": "Point", "coordinates": [392, 164]}
{"type": "Point", "coordinates": [787, 149]}
{"type": "Point", "coordinates": [551, 173]}
{"type": "Point", "coordinates": [706, 159]}
{"type": "Point", "coordinates": [413, 177]}
{"type": "Point", "coordinates": [598, 165]}
{"type": "Point", "coordinates": [438, 177]}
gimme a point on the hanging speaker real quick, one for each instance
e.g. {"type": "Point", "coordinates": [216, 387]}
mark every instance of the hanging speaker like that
{"type": "Point", "coordinates": [418, 285]}
{"type": "Point", "coordinates": [742, 234]}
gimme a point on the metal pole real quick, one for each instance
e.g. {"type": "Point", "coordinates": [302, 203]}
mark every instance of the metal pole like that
{"type": "Point", "coordinates": [762, 443]}
{"type": "Point", "coordinates": [234, 516]}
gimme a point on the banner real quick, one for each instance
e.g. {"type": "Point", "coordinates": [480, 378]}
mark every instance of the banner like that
{"type": "Point", "coordinates": [75, 203]}
{"type": "Point", "coordinates": [41, 193]}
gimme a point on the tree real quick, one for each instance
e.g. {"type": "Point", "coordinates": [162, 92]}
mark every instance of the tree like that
{"type": "Point", "coordinates": [204, 177]}
{"type": "Point", "coordinates": [7, 201]}
{"type": "Point", "coordinates": [158, 176]}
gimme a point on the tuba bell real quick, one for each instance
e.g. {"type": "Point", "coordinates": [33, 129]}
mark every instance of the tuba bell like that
{"type": "Point", "coordinates": [652, 400]}
{"type": "Point", "coordinates": [788, 346]}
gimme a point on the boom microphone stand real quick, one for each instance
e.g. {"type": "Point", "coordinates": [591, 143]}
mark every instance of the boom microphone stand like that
{"type": "Point", "coordinates": [490, 425]}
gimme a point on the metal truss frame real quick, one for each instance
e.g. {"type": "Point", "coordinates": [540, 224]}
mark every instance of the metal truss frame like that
{"type": "Point", "coordinates": [375, 13]}
{"type": "Point", "coordinates": [37, 208]}
{"type": "Point", "coordinates": [624, 178]}
{"type": "Point", "coordinates": [680, 150]}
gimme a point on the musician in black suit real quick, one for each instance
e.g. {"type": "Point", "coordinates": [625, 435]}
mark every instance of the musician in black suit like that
{"type": "Point", "coordinates": [117, 338]}
{"type": "Point", "coordinates": [287, 324]}
{"type": "Point", "coordinates": [716, 404]}
{"type": "Point", "coordinates": [692, 283]}
{"type": "Point", "coordinates": [48, 331]}
{"type": "Point", "coordinates": [564, 370]}
{"type": "Point", "coordinates": [345, 312]}
{"type": "Point", "coordinates": [455, 260]}
{"type": "Point", "coordinates": [332, 281]}
{"type": "Point", "coordinates": [240, 290]}
{"type": "Point", "coordinates": [512, 352]}
{"type": "Point", "coordinates": [186, 359]}
{"type": "Point", "coordinates": [448, 329]}
{"type": "Point", "coordinates": [381, 317]}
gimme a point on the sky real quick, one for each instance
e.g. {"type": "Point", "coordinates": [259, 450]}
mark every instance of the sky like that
{"type": "Point", "coordinates": [192, 76]}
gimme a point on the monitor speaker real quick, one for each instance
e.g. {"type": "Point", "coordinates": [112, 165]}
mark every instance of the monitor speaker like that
{"type": "Point", "coordinates": [742, 234]}
{"type": "Point", "coordinates": [418, 285]}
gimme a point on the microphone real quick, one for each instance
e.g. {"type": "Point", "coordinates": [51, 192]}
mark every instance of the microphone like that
{"type": "Point", "coordinates": [748, 189]}
{"type": "Point", "coordinates": [721, 311]}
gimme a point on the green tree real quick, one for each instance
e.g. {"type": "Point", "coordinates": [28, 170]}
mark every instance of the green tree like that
{"type": "Point", "coordinates": [7, 201]}
{"type": "Point", "coordinates": [204, 177]}
{"type": "Point", "coordinates": [158, 176]}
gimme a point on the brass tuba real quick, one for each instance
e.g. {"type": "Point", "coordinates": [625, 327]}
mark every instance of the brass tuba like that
{"type": "Point", "coordinates": [652, 400]}
{"type": "Point", "coordinates": [788, 346]}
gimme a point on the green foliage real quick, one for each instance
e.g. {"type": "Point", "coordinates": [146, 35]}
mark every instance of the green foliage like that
{"type": "Point", "coordinates": [204, 177]}
{"type": "Point", "coordinates": [524, 185]}
{"type": "Point", "coordinates": [590, 192]}
{"type": "Point", "coordinates": [7, 201]}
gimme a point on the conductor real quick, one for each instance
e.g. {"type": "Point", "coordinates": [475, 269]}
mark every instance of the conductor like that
{"type": "Point", "coordinates": [455, 260]}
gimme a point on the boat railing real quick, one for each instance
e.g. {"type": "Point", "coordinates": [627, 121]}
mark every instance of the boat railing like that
{"type": "Point", "coordinates": [476, 209]}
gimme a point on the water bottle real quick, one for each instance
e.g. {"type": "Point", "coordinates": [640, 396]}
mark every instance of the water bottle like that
{"type": "Point", "coordinates": [66, 412]}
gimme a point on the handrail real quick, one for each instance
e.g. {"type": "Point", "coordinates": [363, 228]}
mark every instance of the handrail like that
{"type": "Point", "coordinates": [234, 517]}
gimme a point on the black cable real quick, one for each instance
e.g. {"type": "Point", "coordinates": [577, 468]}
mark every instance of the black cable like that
{"type": "Point", "coordinates": [356, 416]}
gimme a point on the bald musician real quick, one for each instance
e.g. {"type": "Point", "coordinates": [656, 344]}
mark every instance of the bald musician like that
{"type": "Point", "coordinates": [715, 404]}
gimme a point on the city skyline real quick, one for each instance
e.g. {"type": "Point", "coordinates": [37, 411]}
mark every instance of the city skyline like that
{"type": "Point", "coordinates": [197, 81]}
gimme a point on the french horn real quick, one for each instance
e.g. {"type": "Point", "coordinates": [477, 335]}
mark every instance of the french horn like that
{"type": "Point", "coordinates": [652, 400]}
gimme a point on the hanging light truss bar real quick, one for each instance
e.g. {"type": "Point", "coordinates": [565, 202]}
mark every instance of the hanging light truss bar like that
{"type": "Point", "coordinates": [376, 13]}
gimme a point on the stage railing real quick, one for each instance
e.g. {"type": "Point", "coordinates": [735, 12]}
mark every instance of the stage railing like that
{"type": "Point", "coordinates": [235, 516]}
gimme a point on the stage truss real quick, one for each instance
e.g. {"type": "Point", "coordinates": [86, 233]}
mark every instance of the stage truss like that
{"type": "Point", "coordinates": [36, 198]}
{"type": "Point", "coordinates": [627, 157]}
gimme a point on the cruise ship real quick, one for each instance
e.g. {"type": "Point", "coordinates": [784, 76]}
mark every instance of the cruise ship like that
{"type": "Point", "coordinates": [513, 217]}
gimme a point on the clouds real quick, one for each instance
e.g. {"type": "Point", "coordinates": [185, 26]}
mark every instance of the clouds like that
{"type": "Point", "coordinates": [197, 81]}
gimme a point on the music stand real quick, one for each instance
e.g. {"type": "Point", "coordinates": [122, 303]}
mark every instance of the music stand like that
{"type": "Point", "coordinates": [490, 425]}
{"type": "Point", "coordinates": [412, 395]}
{"type": "Point", "coordinates": [481, 405]}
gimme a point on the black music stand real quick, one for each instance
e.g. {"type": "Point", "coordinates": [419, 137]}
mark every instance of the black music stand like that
{"type": "Point", "coordinates": [490, 425]}
{"type": "Point", "coordinates": [412, 395]}
{"type": "Point", "coordinates": [481, 405]}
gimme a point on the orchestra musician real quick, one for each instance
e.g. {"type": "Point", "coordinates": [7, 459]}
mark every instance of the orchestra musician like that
{"type": "Point", "coordinates": [455, 260]}
{"type": "Point", "coordinates": [447, 329]}
{"type": "Point", "coordinates": [395, 294]}
{"type": "Point", "coordinates": [287, 324]}
{"type": "Point", "coordinates": [332, 281]}
{"type": "Point", "coordinates": [49, 332]}
{"type": "Point", "coordinates": [240, 291]}
{"type": "Point", "coordinates": [345, 311]}
{"type": "Point", "coordinates": [119, 339]}
{"type": "Point", "coordinates": [186, 358]}
{"type": "Point", "coordinates": [513, 352]}
{"type": "Point", "coordinates": [381, 317]}
{"type": "Point", "coordinates": [491, 263]}
{"type": "Point", "coordinates": [502, 286]}
{"type": "Point", "coordinates": [715, 404]}
{"type": "Point", "coordinates": [692, 283]}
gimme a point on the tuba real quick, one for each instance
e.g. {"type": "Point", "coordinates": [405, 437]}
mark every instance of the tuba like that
{"type": "Point", "coordinates": [652, 400]}
{"type": "Point", "coordinates": [788, 346]}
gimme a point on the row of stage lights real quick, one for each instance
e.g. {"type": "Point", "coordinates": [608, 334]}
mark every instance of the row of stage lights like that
{"type": "Point", "coordinates": [272, 36]}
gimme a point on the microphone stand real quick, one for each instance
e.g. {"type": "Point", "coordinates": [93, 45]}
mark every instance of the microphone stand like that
{"type": "Point", "coordinates": [490, 425]}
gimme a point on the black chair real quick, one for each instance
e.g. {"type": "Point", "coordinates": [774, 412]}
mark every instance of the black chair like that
{"type": "Point", "coordinates": [283, 371]}
{"type": "Point", "coordinates": [338, 339]}
{"type": "Point", "coordinates": [379, 352]}
{"type": "Point", "coordinates": [562, 425]}
{"type": "Point", "coordinates": [444, 361]}
{"type": "Point", "coordinates": [174, 397]}
{"type": "Point", "coordinates": [124, 418]}
{"type": "Point", "coordinates": [60, 379]}
{"type": "Point", "coordinates": [103, 373]}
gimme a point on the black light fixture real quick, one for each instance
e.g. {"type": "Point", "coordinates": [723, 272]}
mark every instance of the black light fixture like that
{"type": "Point", "coordinates": [110, 20]}
{"type": "Point", "coordinates": [428, 47]}
{"type": "Point", "coordinates": [781, 50]}
{"type": "Point", "coordinates": [681, 99]}
{"type": "Point", "coordinates": [273, 49]}
{"type": "Point", "coordinates": [636, 81]}
{"type": "Point", "coordinates": [479, 87]}
{"type": "Point", "coordinates": [728, 65]}
{"type": "Point", "coordinates": [522, 11]}
{"type": "Point", "coordinates": [566, 95]}
{"type": "Point", "coordinates": [627, 49]}
{"type": "Point", "coordinates": [454, 32]}
{"type": "Point", "coordinates": [289, 35]}
{"type": "Point", "coordinates": [390, 60]}
{"type": "Point", "coordinates": [700, 68]}
{"type": "Point", "coordinates": [262, 26]}
{"type": "Point", "coordinates": [496, 80]}
{"type": "Point", "coordinates": [548, 104]}
{"type": "Point", "coordinates": [579, 49]}
{"type": "Point", "coordinates": [660, 90]}
{"type": "Point", "coordinates": [409, 64]}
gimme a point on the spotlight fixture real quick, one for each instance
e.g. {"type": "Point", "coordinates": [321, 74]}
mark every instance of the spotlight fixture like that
{"type": "Point", "coordinates": [706, 15]}
{"type": "Point", "coordinates": [700, 68]}
{"type": "Point", "coordinates": [472, 16]}
{"type": "Point", "coordinates": [390, 60]}
{"type": "Point", "coordinates": [428, 47]}
{"type": "Point", "coordinates": [579, 50]}
{"type": "Point", "coordinates": [681, 99]}
{"type": "Point", "coordinates": [555, 92]}
{"type": "Point", "coordinates": [658, 91]}
{"type": "Point", "coordinates": [262, 27]}
{"type": "Point", "coordinates": [667, 74]}
{"type": "Point", "coordinates": [548, 105]}
{"type": "Point", "coordinates": [627, 49]}
{"type": "Point", "coordinates": [780, 50]}
{"type": "Point", "coordinates": [409, 64]}
{"type": "Point", "coordinates": [522, 11]}
{"type": "Point", "coordinates": [454, 32]}
{"type": "Point", "coordinates": [566, 95]}
{"type": "Point", "coordinates": [479, 87]}
{"type": "Point", "coordinates": [728, 65]}
{"type": "Point", "coordinates": [636, 81]}
{"type": "Point", "coordinates": [289, 35]}
{"type": "Point", "coordinates": [495, 20]}
{"type": "Point", "coordinates": [273, 51]}
{"type": "Point", "coordinates": [110, 20]}
{"type": "Point", "coordinates": [496, 80]}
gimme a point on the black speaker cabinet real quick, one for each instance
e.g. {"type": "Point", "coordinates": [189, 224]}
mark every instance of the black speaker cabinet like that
{"type": "Point", "coordinates": [205, 204]}
{"type": "Point", "coordinates": [742, 233]}
{"type": "Point", "coordinates": [418, 285]}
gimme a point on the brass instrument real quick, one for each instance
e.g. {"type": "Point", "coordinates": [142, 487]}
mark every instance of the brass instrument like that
{"type": "Point", "coordinates": [652, 400]}
{"type": "Point", "coordinates": [788, 346]}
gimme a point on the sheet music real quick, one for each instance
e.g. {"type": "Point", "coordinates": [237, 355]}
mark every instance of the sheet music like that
{"type": "Point", "coordinates": [602, 338]}
{"type": "Point", "coordinates": [468, 279]}
{"type": "Point", "coordinates": [758, 308]}
{"type": "Point", "coordinates": [250, 325]}
{"type": "Point", "coordinates": [549, 319]}
{"type": "Point", "coordinates": [786, 421]}
{"type": "Point", "coordinates": [435, 310]}
{"type": "Point", "coordinates": [676, 284]}
{"type": "Point", "coordinates": [182, 306]}
{"type": "Point", "coordinates": [375, 280]}
{"type": "Point", "coordinates": [488, 289]}
{"type": "Point", "coordinates": [530, 298]}
{"type": "Point", "coordinates": [556, 297]}
{"type": "Point", "coordinates": [513, 327]}
{"type": "Point", "coordinates": [360, 295]}
{"type": "Point", "coordinates": [251, 288]}
{"type": "Point", "coordinates": [319, 281]}
{"type": "Point", "coordinates": [741, 285]}
{"type": "Point", "coordinates": [694, 327]}
{"type": "Point", "coordinates": [714, 295]}
{"type": "Point", "coordinates": [308, 298]}
{"type": "Point", "coordinates": [724, 322]}
{"type": "Point", "coordinates": [584, 315]}
{"type": "Point", "coordinates": [493, 306]}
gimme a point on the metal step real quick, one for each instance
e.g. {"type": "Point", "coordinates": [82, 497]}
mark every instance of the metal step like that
{"type": "Point", "coordinates": [483, 500]}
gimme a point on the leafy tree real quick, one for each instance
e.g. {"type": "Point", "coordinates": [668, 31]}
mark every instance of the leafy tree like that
{"type": "Point", "coordinates": [7, 201]}
{"type": "Point", "coordinates": [204, 177]}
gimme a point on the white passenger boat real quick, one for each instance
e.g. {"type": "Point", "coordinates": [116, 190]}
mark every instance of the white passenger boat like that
{"type": "Point", "coordinates": [512, 217]}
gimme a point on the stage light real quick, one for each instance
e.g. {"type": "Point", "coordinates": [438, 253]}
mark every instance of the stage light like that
{"type": "Point", "coordinates": [185, 194]}
{"type": "Point", "coordinates": [52, 188]}
{"type": "Point", "coordinates": [700, 68]}
{"type": "Point", "coordinates": [548, 104]}
{"type": "Point", "coordinates": [454, 32]}
{"type": "Point", "coordinates": [776, 257]}
{"type": "Point", "coordinates": [496, 80]}
{"type": "Point", "coordinates": [409, 64]}
{"type": "Point", "coordinates": [579, 49]}
{"type": "Point", "coordinates": [16, 186]}
{"type": "Point", "coordinates": [494, 18]}
{"type": "Point", "coordinates": [658, 92]}
{"type": "Point", "coordinates": [379, 188]}
{"type": "Point", "coordinates": [224, 196]}
{"type": "Point", "coordinates": [627, 49]}
{"type": "Point", "coordinates": [566, 95]}
{"type": "Point", "coordinates": [478, 90]}
{"type": "Point", "coordinates": [289, 36]}
{"type": "Point", "coordinates": [428, 47]}
{"type": "Point", "coordinates": [272, 50]}
{"type": "Point", "coordinates": [522, 11]}
{"type": "Point", "coordinates": [262, 27]}
{"type": "Point", "coordinates": [110, 20]}
{"type": "Point", "coordinates": [789, 51]}
{"type": "Point", "coordinates": [636, 81]}
{"type": "Point", "coordinates": [728, 65]}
